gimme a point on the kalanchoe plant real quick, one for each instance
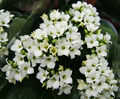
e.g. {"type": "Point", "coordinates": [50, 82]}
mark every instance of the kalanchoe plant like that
{"type": "Point", "coordinates": [5, 18]}
{"type": "Point", "coordinates": [75, 36]}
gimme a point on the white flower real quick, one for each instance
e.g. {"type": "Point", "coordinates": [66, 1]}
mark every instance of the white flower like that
{"type": "Point", "coordinates": [93, 62]}
{"type": "Point", "coordinates": [91, 92]}
{"type": "Point", "coordinates": [19, 58]}
{"type": "Point", "coordinates": [44, 46]}
{"type": "Point", "coordinates": [101, 51]}
{"type": "Point", "coordinates": [88, 19]}
{"type": "Point", "coordinates": [91, 41]}
{"type": "Point", "coordinates": [17, 46]}
{"type": "Point", "coordinates": [65, 76]}
{"type": "Point", "coordinates": [28, 44]}
{"type": "Point", "coordinates": [36, 49]}
{"type": "Point", "coordinates": [39, 34]}
{"type": "Point", "coordinates": [81, 84]}
{"type": "Point", "coordinates": [18, 77]}
{"type": "Point", "coordinates": [78, 17]}
{"type": "Point", "coordinates": [107, 38]}
{"type": "Point", "coordinates": [51, 31]}
{"type": "Point", "coordinates": [99, 36]}
{"type": "Point", "coordinates": [61, 27]}
{"type": "Point", "coordinates": [5, 18]}
{"type": "Point", "coordinates": [33, 59]}
{"type": "Point", "coordinates": [75, 50]}
{"type": "Point", "coordinates": [55, 15]}
{"type": "Point", "coordinates": [87, 71]}
{"type": "Point", "coordinates": [77, 5]}
{"type": "Point", "coordinates": [27, 68]}
{"type": "Point", "coordinates": [24, 38]}
{"type": "Point", "coordinates": [63, 47]}
{"type": "Point", "coordinates": [74, 37]}
{"type": "Point", "coordinates": [3, 37]}
{"type": "Point", "coordinates": [65, 89]}
{"type": "Point", "coordinates": [46, 24]}
{"type": "Point", "coordinates": [3, 51]}
{"type": "Point", "coordinates": [65, 17]}
{"type": "Point", "coordinates": [93, 77]}
{"type": "Point", "coordinates": [103, 62]}
{"type": "Point", "coordinates": [53, 50]}
{"type": "Point", "coordinates": [42, 74]}
{"type": "Point", "coordinates": [53, 82]}
{"type": "Point", "coordinates": [48, 61]}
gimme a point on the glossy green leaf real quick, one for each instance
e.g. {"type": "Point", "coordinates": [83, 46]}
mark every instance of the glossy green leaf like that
{"type": "Point", "coordinates": [2, 81]}
{"type": "Point", "coordinates": [109, 28]}
{"type": "Point", "coordinates": [1, 1]}
{"type": "Point", "coordinates": [28, 89]}
{"type": "Point", "coordinates": [114, 55]}
{"type": "Point", "coordinates": [15, 27]}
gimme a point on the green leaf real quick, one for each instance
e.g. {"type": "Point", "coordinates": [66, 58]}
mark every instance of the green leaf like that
{"type": "Point", "coordinates": [28, 89]}
{"type": "Point", "coordinates": [16, 26]}
{"type": "Point", "coordinates": [74, 95]}
{"type": "Point", "coordinates": [1, 1]}
{"type": "Point", "coordinates": [2, 81]}
{"type": "Point", "coordinates": [108, 27]}
{"type": "Point", "coordinates": [14, 29]}
{"type": "Point", "coordinates": [114, 54]}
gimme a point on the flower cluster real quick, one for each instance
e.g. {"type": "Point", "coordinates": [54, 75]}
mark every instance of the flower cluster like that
{"type": "Point", "coordinates": [84, 14]}
{"type": "Point", "coordinates": [60, 80]}
{"type": "Point", "coordinates": [66, 35]}
{"type": "Point", "coordinates": [100, 81]}
{"type": "Point", "coordinates": [55, 37]}
{"type": "Point", "coordinates": [5, 18]}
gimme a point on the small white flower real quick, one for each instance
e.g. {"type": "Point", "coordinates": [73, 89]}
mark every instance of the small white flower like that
{"type": "Point", "coordinates": [91, 92]}
{"type": "Point", "coordinates": [61, 27]}
{"type": "Point", "coordinates": [48, 61]}
{"type": "Point", "coordinates": [26, 67]}
{"type": "Point", "coordinates": [44, 46]}
{"type": "Point", "coordinates": [5, 18]}
{"type": "Point", "coordinates": [107, 38]}
{"type": "Point", "coordinates": [51, 31]}
{"type": "Point", "coordinates": [65, 89]}
{"type": "Point", "coordinates": [91, 41]}
{"type": "Point", "coordinates": [17, 46]}
{"type": "Point", "coordinates": [24, 38]}
{"type": "Point", "coordinates": [28, 44]}
{"type": "Point", "coordinates": [74, 38]}
{"type": "Point", "coordinates": [19, 58]}
{"type": "Point", "coordinates": [94, 77]}
{"type": "Point", "coordinates": [81, 84]}
{"type": "Point", "coordinates": [32, 58]}
{"type": "Point", "coordinates": [39, 34]}
{"type": "Point", "coordinates": [65, 76]}
{"type": "Point", "coordinates": [55, 15]}
{"type": "Point", "coordinates": [101, 51]}
{"type": "Point", "coordinates": [36, 49]}
{"type": "Point", "coordinates": [3, 51]}
{"type": "Point", "coordinates": [53, 82]}
{"type": "Point", "coordinates": [75, 50]}
{"type": "Point", "coordinates": [18, 77]}
{"type": "Point", "coordinates": [42, 75]}
{"type": "Point", "coordinates": [63, 47]}
{"type": "Point", "coordinates": [65, 17]}
{"type": "Point", "coordinates": [3, 37]}
{"type": "Point", "coordinates": [93, 62]}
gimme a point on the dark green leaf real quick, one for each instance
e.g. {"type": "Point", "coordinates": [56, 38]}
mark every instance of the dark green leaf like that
{"type": "Point", "coordinates": [15, 27]}
{"type": "Point", "coordinates": [2, 81]}
{"type": "Point", "coordinates": [114, 55]}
